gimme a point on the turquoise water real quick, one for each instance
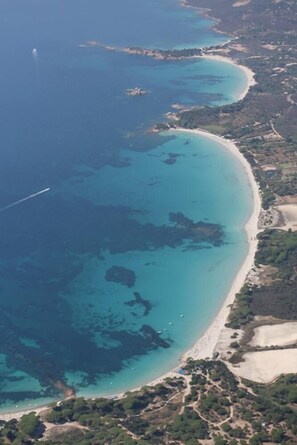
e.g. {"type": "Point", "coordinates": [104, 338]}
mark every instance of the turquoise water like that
{"type": "Point", "coordinates": [176, 281]}
{"type": "Point", "coordinates": [137, 229]}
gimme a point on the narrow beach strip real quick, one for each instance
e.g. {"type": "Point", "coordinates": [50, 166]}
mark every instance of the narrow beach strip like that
{"type": "Point", "coordinates": [205, 346]}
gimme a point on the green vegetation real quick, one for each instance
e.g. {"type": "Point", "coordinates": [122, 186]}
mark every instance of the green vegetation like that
{"type": "Point", "coordinates": [188, 426]}
{"type": "Point", "coordinates": [264, 122]}
{"type": "Point", "coordinates": [30, 425]}
{"type": "Point", "coordinates": [284, 391]}
{"type": "Point", "coordinates": [24, 432]}
{"type": "Point", "coordinates": [242, 313]}
{"type": "Point", "coordinates": [208, 403]}
{"type": "Point", "coordinates": [277, 249]}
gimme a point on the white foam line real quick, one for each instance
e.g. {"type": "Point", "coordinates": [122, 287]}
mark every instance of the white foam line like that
{"type": "Point", "coordinates": [24, 199]}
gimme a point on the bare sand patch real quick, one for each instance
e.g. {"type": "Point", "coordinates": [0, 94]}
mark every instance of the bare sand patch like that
{"type": "Point", "coordinates": [239, 47]}
{"type": "Point", "coordinates": [288, 199]}
{"type": "Point", "coordinates": [283, 334]}
{"type": "Point", "coordinates": [57, 432]}
{"type": "Point", "coordinates": [289, 212]}
{"type": "Point", "coordinates": [266, 366]}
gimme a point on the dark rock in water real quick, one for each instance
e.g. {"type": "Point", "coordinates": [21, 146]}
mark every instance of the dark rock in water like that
{"type": "Point", "coordinates": [172, 157]}
{"type": "Point", "coordinates": [139, 300]}
{"type": "Point", "coordinates": [154, 337]}
{"type": "Point", "coordinates": [170, 161]}
{"type": "Point", "coordinates": [121, 275]}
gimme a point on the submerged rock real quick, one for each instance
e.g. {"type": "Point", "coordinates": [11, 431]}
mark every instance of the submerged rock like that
{"type": "Point", "coordinates": [141, 301]}
{"type": "Point", "coordinates": [154, 337]}
{"type": "Point", "coordinates": [121, 275]}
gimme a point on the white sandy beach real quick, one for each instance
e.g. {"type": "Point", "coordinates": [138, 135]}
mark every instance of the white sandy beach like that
{"type": "Point", "coordinates": [205, 346]}
{"type": "Point", "coordinates": [18, 414]}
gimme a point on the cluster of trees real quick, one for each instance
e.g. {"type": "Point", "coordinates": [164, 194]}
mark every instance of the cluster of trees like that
{"type": "Point", "coordinates": [188, 428]}
{"type": "Point", "coordinates": [86, 411]}
{"type": "Point", "coordinates": [283, 391]}
{"type": "Point", "coordinates": [213, 404]}
{"type": "Point", "coordinates": [278, 249]}
{"type": "Point", "coordinates": [242, 313]}
{"type": "Point", "coordinates": [24, 432]}
{"type": "Point", "coordinates": [270, 414]}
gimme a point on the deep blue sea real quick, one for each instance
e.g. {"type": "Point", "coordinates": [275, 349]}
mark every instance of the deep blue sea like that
{"type": "Point", "coordinates": [108, 277]}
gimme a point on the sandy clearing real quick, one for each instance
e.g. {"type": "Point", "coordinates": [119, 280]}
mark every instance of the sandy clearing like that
{"type": "Point", "coordinates": [266, 366]}
{"type": "Point", "coordinates": [275, 335]}
{"type": "Point", "coordinates": [289, 212]}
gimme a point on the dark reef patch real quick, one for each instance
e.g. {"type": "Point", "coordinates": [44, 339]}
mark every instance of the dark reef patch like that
{"type": "Point", "coordinates": [172, 157]}
{"type": "Point", "coordinates": [121, 275]}
{"type": "Point", "coordinates": [141, 301]}
{"type": "Point", "coordinates": [43, 258]}
{"type": "Point", "coordinates": [210, 79]}
{"type": "Point", "coordinates": [154, 337]}
{"type": "Point", "coordinates": [198, 232]}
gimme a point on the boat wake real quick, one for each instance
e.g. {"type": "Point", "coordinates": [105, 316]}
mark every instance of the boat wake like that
{"type": "Point", "coordinates": [24, 199]}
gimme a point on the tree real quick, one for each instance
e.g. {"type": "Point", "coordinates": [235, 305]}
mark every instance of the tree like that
{"type": "Point", "coordinates": [277, 435]}
{"type": "Point", "coordinates": [30, 425]}
{"type": "Point", "coordinates": [219, 440]}
{"type": "Point", "coordinates": [256, 439]}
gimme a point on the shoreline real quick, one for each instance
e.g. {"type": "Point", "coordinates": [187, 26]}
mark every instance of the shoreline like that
{"type": "Point", "coordinates": [205, 346]}
{"type": "Point", "coordinates": [250, 75]}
